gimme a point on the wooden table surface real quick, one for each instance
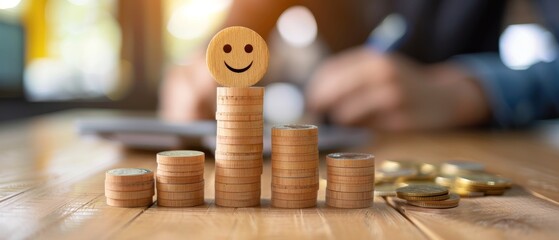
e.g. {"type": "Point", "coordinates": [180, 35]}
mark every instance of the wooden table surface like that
{"type": "Point", "coordinates": [51, 186]}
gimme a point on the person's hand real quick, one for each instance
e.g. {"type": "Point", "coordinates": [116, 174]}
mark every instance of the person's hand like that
{"type": "Point", "coordinates": [391, 92]}
{"type": "Point", "coordinates": [187, 93]}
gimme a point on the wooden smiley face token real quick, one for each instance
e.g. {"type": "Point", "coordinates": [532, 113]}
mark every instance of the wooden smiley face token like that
{"type": "Point", "coordinates": [237, 57]}
{"type": "Point", "coordinates": [350, 160]}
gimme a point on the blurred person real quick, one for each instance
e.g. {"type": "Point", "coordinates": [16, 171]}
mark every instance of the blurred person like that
{"type": "Point", "coordinates": [444, 72]}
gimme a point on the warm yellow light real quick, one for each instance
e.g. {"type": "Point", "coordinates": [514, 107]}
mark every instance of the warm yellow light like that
{"type": "Point", "coordinates": [196, 18]}
{"type": "Point", "coordinates": [7, 4]}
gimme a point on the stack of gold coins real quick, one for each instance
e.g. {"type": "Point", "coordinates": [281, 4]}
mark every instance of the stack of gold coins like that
{"type": "Point", "coordinates": [238, 154]}
{"type": "Point", "coordinates": [481, 183]}
{"type": "Point", "coordinates": [428, 196]}
{"type": "Point", "coordinates": [129, 187]}
{"type": "Point", "coordinates": [294, 166]}
{"type": "Point", "coordinates": [180, 178]}
{"type": "Point", "coordinates": [351, 180]}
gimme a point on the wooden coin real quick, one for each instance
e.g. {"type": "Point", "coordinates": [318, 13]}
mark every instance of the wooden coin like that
{"type": "Point", "coordinates": [295, 189]}
{"type": "Point", "coordinates": [342, 187]}
{"type": "Point", "coordinates": [350, 160]}
{"type": "Point", "coordinates": [237, 203]}
{"type": "Point", "coordinates": [295, 196]}
{"type": "Point", "coordinates": [350, 179]}
{"type": "Point", "coordinates": [238, 117]}
{"type": "Point", "coordinates": [338, 203]}
{"type": "Point", "coordinates": [364, 171]}
{"type": "Point", "coordinates": [238, 164]}
{"type": "Point", "coordinates": [236, 180]}
{"type": "Point", "coordinates": [451, 202]}
{"type": "Point", "coordinates": [144, 202]}
{"type": "Point", "coordinates": [240, 92]}
{"type": "Point", "coordinates": [295, 157]}
{"type": "Point", "coordinates": [179, 180]}
{"type": "Point", "coordinates": [180, 168]}
{"type": "Point", "coordinates": [179, 174]}
{"type": "Point", "coordinates": [294, 130]}
{"type": "Point", "coordinates": [238, 195]}
{"type": "Point", "coordinates": [128, 175]}
{"type": "Point", "coordinates": [280, 203]}
{"type": "Point", "coordinates": [184, 187]}
{"type": "Point", "coordinates": [239, 100]}
{"type": "Point", "coordinates": [238, 156]}
{"type": "Point", "coordinates": [430, 198]}
{"type": "Point", "coordinates": [248, 187]}
{"type": "Point", "coordinates": [257, 109]}
{"type": "Point", "coordinates": [249, 132]}
{"type": "Point", "coordinates": [294, 165]}
{"type": "Point", "coordinates": [237, 57]}
{"type": "Point", "coordinates": [302, 181]}
{"type": "Point", "coordinates": [423, 190]}
{"type": "Point", "coordinates": [238, 172]}
{"type": "Point", "coordinates": [180, 203]}
{"type": "Point", "coordinates": [245, 148]}
{"type": "Point", "coordinates": [180, 195]}
{"type": "Point", "coordinates": [129, 187]}
{"type": "Point", "coordinates": [311, 172]}
{"type": "Point", "coordinates": [240, 125]}
{"type": "Point", "coordinates": [239, 140]}
{"type": "Point", "coordinates": [294, 149]}
{"type": "Point", "coordinates": [129, 195]}
{"type": "Point", "coordinates": [354, 196]}
{"type": "Point", "coordinates": [181, 157]}
{"type": "Point", "coordinates": [292, 141]}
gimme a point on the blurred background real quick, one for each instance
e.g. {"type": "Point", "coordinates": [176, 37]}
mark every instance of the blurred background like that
{"type": "Point", "coordinates": [61, 54]}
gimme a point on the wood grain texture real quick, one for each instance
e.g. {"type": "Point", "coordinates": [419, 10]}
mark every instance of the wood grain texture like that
{"type": "Point", "coordinates": [51, 186]}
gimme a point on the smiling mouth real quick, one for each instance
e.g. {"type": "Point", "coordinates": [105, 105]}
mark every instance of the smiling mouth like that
{"type": "Point", "coordinates": [232, 69]}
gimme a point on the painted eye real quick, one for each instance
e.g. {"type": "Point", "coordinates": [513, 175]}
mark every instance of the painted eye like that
{"type": "Point", "coordinates": [248, 48]}
{"type": "Point", "coordinates": [227, 48]}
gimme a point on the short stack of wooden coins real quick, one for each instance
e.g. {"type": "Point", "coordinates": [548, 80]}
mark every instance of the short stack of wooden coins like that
{"type": "Point", "coordinates": [295, 163]}
{"type": "Point", "coordinates": [239, 143]}
{"type": "Point", "coordinates": [351, 180]}
{"type": "Point", "coordinates": [129, 187]}
{"type": "Point", "coordinates": [180, 178]}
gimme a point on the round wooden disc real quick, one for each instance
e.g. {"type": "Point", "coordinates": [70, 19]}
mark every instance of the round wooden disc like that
{"type": "Point", "coordinates": [179, 174]}
{"type": "Point", "coordinates": [247, 187]}
{"type": "Point", "coordinates": [129, 187]}
{"type": "Point", "coordinates": [144, 202]}
{"type": "Point", "coordinates": [181, 157]}
{"type": "Point", "coordinates": [237, 195]}
{"type": "Point", "coordinates": [240, 92]}
{"type": "Point", "coordinates": [238, 172]}
{"type": "Point", "coordinates": [280, 203]}
{"type": "Point", "coordinates": [338, 203]}
{"type": "Point", "coordinates": [294, 165]}
{"type": "Point", "coordinates": [302, 181]}
{"type": "Point", "coordinates": [256, 109]}
{"type": "Point", "coordinates": [237, 57]}
{"type": "Point", "coordinates": [350, 160]}
{"type": "Point", "coordinates": [236, 180]}
{"type": "Point", "coordinates": [351, 179]}
{"type": "Point", "coordinates": [364, 171]}
{"type": "Point", "coordinates": [295, 157]}
{"type": "Point", "coordinates": [295, 172]}
{"type": "Point", "coordinates": [240, 125]}
{"type": "Point", "coordinates": [295, 189]}
{"type": "Point", "coordinates": [180, 195]}
{"type": "Point", "coordinates": [128, 175]}
{"type": "Point", "coordinates": [294, 141]}
{"type": "Point", "coordinates": [245, 148]}
{"type": "Point", "coordinates": [238, 163]}
{"type": "Point", "coordinates": [294, 130]}
{"type": "Point", "coordinates": [247, 132]}
{"type": "Point", "coordinates": [239, 140]}
{"type": "Point", "coordinates": [185, 187]}
{"type": "Point", "coordinates": [179, 180]}
{"type": "Point", "coordinates": [180, 168]}
{"type": "Point", "coordinates": [180, 203]}
{"type": "Point", "coordinates": [238, 156]}
{"type": "Point", "coordinates": [240, 117]}
{"type": "Point", "coordinates": [354, 196]}
{"type": "Point", "coordinates": [129, 195]}
{"type": "Point", "coordinates": [239, 100]}
{"type": "Point", "coordinates": [302, 149]}
{"type": "Point", "coordinates": [237, 203]}
{"type": "Point", "coordinates": [295, 196]}
{"type": "Point", "coordinates": [342, 187]}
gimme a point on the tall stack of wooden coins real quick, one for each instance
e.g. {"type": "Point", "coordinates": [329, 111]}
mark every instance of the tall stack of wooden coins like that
{"type": "Point", "coordinates": [351, 180]}
{"type": "Point", "coordinates": [237, 58]}
{"type": "Point", "coordinates": [180, 178]}
{"type": "Point", "coordinates": [295, 163]}
{"type": "Point", "coordinates": [129, 187]}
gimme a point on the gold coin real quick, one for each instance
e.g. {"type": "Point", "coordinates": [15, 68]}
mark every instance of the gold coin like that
{"type": "Point", "coordinates": [294, 189]}
{"type": "Point", "coordinates": [239, 172]}
{"type": "Point", "coordinates": [423, 171]}
{"type": "Point", "coordinates": [339, 203]}
{"type": "Point", "coordinates": [237, 57]}
{"type": "Point", "coordinates": [311, 172]}
{"type": "Point", "coordinates": [129, 195]}
{"type": "Point", "coordinates": [351, 179]}
{"type": "Point", "coordinates": [179, 180]}
{"type": "Point", "coordinates": [446, 181]}
{"type": "Point", "coordinates": [354, 196]}
{"type": "Point", "coordinates": [179, 174]}
{"type": "Point", "coordinates": [460, 167]}
{"type": "Point", "coordinates": [129, 187]}
{"type": "Point", "coordinates": [350, 160]}
{"type": "Point", "coordinates": [483, 180]}
{"type": "Point", "coordinates": [295, 181]}
{"type": "Point", "coordinates": [294, 130]}
{"type": "Point", "coordinates": [364, 171]}
{"type": "Point", "coordinates": [237, 180]}
{"type": "Point", "coordinates": [185, 187]}
{"type": "Point", "coordinates": [241, 117]}
{"type": "Point", "coordinates": [466, 193]}
{"type": "Point", "coordinates": [237, 195]}
{"type": "Point", "coordinates": [240, 125]}
{"type": "Point", "coordinates": [144, 202]}
{"type": "Point", "coordinates": [245, 148]}
{"type": "Point", "coordinates": [247, 187]}
{"type": "Point", "coordinates": [451, 202]}
{"type": "Point", "coordinates": [128, 175]}
{"type": "Point", "coordinates": [237, 156]}
{"type": "Point", "coordinates": [343, 187]}
{"type": "Point", "coordinates": [237, 203]}
{"type": "Point", "coordinates": [295, 149]}
{"type": "Point", "coordinates": [422, 190]}
{"type": "Point", "coordinates": [240, 92]}
{"type": "Point", "coordinates": [295, 157]}
{"type": "Point", "coordinates": [295, 196]}
{"type": "Point", "coordinates": [238, 163]}
{"type": "Point", "coordinates": [181, 157]}
{"type": "Point", "coordinates": [180, 203]}
{"type": "Point", "coordinates": [294, 165]}
{"type": "Point", "coordinates": [249, 132]}
{"type": "Point", "coordinates": [281, 203]}
{"type": "Point", "coordinates": [430, 198]}
{"type": "Point", "coordinates": [477, 187]}
{"type": "Point", "coordinates": [390, 176]}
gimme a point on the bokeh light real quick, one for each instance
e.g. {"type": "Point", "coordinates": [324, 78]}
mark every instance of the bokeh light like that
{"type": "Point", "coordinates": [523, 45]}
{"type": "Point", "coordinates": [7, 4]}
{"type": "Point", "coordinates": [283, 103]}
{"type": "Point", "coordinates": [297, 26]}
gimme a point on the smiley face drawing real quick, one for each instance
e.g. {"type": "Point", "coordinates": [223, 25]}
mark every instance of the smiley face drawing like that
{"type": "Point", "coordinates": [237, 57]}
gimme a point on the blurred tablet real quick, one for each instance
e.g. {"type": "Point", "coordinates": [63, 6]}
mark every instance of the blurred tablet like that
{"type": "Point", "coordinates": [153, 134]}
